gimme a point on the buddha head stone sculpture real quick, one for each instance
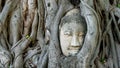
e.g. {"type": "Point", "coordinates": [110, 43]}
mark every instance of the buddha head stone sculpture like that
{"type": "Point", "coordinates": [72, 32]}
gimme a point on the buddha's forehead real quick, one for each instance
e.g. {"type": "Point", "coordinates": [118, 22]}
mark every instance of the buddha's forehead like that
{"type": "Point", "coordinates": [71, 12]}
{"type": "Point", "coordinates": [73, 21]}
{"type": "Point", "coordinates": [73, 26]}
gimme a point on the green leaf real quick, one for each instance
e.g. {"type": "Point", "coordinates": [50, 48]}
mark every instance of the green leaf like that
{"type": "Point", "coordinates": [27, 36]}
{"type": "Point", "coordinates": [102, 60]}
{"type": "Point", "coordinates": [118, 5]}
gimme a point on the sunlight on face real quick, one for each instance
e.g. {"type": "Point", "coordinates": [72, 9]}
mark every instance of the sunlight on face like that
{"type": "Point", "coordinates": [71, 38]}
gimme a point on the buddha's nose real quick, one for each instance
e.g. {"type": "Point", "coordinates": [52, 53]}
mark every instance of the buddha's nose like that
{"type": "Point", "coordinates": [75, 41]}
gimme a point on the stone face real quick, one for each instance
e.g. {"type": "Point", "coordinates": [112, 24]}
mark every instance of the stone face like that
{"type": "Point", "coordinates": [72, 33]}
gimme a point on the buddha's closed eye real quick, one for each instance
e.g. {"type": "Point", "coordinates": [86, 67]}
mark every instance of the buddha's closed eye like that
{"type": "Point", "coordinates": [68, 33]}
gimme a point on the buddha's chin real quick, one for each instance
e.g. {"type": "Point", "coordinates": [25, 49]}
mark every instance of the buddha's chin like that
{"type": "Point", "coordinates": [73, 52]}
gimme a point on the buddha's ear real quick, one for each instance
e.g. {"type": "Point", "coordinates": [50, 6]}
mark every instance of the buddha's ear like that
{"type": "Point", "coordinates": [61, 23]}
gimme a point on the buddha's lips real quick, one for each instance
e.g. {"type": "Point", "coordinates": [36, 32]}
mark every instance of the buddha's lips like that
{"type": "Point", "coordinates": [73, 48]}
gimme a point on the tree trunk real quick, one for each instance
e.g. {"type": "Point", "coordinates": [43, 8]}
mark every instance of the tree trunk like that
{"type": "Point", "coordinates": [30, 30]}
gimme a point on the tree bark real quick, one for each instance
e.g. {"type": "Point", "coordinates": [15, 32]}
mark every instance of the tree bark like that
{"type": "Point", "coordinates": [29, 34]}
